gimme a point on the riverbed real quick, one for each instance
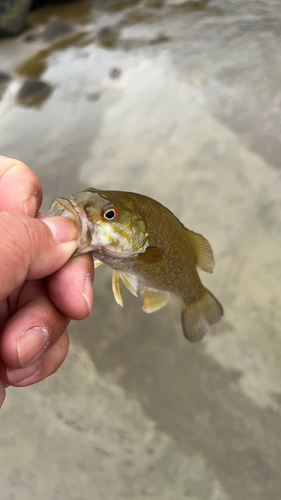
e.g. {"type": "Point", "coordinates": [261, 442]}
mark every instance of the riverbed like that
{"type": "Point", "coordinates": [178, 100]}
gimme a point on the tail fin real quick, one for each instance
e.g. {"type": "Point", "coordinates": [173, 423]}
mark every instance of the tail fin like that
{"type": "Point", "coordinates": [197, 317]}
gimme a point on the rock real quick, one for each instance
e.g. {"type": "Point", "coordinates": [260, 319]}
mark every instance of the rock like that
{"type": "Point", "coordinates": [34, 35]}
{"type": "Point", "coordinates": [13, 14]}
{"type": "Point", "coordinates": [5, 78]}
{"type": "Point", "coordinates": [56, 28]}
{"type": "Point", "coordinates": [107, 36]}
{"type": "Point", "coordinates": [33, 91]}
{"type": "Point", "coordinates": [115, 72]}
{"type": "Point", "coordinates": [160, 38]}
{"type": "Point", "coordinates": [93, 96]}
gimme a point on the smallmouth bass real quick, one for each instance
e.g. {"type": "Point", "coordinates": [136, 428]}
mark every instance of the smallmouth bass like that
{"type": "Point", "coordinates": [144, 243]}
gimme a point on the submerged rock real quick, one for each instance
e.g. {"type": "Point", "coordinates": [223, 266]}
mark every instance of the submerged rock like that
{"type": "Point", "coordinates": [107, 36]}
{"type": "Point", "coordinates": [115, 72]}
{"type": "Point", "coordinates": [13, 15]}
{"type": "Point", "coordinates": [56, 28]}
{"type": "Point", "coordinates": [4, 78]}
{"type": "Point", "coordinates": [33, 92]}
{"type": "Point", "coordinates": [93, 96]}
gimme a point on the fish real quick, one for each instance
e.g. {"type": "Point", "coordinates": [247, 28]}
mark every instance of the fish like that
{"type": "Point", "coordinates": [146, 245]}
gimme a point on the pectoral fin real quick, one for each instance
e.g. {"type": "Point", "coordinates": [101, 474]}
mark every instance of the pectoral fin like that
{"type": "Point", "coordinates": [97, 262]}
{"type": "Point", "coordinates": [197, 317]}
{"type": "Point", "coordinates": [203, 251]}
{"type": "Point", "coordinates": [153, 299]}
{"type": "Point", "coordinates": [116, 288]}
{"type": "Point", "coordinates": [130, 282]}
{"type": "Point", "coordinates": [152, 255]}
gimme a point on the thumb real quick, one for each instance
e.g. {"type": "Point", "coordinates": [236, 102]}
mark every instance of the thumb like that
{"type": "Point", "coordinates": [32, 248]}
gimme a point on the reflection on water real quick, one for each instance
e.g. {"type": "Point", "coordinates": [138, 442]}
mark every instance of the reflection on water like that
{"type": "Point", "coordinates": [179, 101]}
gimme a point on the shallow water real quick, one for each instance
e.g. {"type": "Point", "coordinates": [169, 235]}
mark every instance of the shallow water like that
{"type": "Point", "coordinates": [192, 119]}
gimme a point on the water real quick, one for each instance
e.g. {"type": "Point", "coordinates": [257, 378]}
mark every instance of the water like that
{"type": "Point", "coordinates": [192, 118]}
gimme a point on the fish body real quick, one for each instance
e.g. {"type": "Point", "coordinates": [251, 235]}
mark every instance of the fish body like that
{"type": "Point", "coordinates": [144, 243]}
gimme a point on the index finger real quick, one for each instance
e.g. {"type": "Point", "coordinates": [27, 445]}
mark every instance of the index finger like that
{"type": "Point", "coordinates": [20, 189]}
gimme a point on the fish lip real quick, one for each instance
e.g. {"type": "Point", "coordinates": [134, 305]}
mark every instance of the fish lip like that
{"type": "Point", "coordinates": [63, 207]}
{"type": "Point", "coordinates": [67, 207]}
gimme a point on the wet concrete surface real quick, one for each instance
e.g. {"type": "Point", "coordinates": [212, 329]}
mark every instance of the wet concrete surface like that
{"type": "Point", "coordinates": [193, 121]}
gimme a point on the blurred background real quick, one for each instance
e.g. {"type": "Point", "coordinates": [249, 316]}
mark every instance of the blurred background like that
{"type": "Point", "coordinates": [179, 100]}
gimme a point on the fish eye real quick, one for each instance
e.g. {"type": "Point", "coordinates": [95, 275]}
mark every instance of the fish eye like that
{"type": "Point", "coordinates": [110, 213]}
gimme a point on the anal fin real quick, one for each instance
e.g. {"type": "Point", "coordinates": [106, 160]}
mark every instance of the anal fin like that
{"type": "Point", "coordinates": [153, 299]}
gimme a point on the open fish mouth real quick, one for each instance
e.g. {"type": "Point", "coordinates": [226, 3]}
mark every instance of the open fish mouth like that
{"type": "Point", "coordinates": [64, 207]}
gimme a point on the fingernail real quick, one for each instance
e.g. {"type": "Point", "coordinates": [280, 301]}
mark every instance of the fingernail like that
{"type": "Point", "coordinates": [31, 344]}
{"type": "Point", "coordinates": [16, 375]}
{"type": "Point", "coordinates": [88, 292]}
{"type": "Point", "coordinates": [63, 229]}
{"type": "Point", "coordinates": [31, 205]}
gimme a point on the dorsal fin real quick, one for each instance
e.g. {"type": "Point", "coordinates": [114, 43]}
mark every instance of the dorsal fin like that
{"type": "Point", "coordinates": [203, 251]}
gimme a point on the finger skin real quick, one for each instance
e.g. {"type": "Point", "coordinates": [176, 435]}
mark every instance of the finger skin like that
{"type": "Point", "coordinates": [70, 288]}
{"type": "Point", "coordinates": [24, 197]}
{"type": "Point", "coordinates": [35, 310]}
{"type": "Point", "coordinates": [4, 313]}
{"type": "Point", "coordinates": [48, 364]}
{"type": "Point", "coordinates": [2, 393]}
{"type": "Point", "coordinates": [29, 250]}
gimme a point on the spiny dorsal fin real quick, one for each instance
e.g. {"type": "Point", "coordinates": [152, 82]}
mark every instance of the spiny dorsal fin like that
{"type": "Point", "coordinates": [203, 251]}
{"type": "Point", "coordinates": [130, 282]}
{"type": "Point", "coordinates": [153, 299]}
{"type": "Point", "coordinates": [116, 288]}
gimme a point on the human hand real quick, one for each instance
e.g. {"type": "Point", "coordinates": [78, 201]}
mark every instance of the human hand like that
{"type": "Point", "coordinates": [41, 289]}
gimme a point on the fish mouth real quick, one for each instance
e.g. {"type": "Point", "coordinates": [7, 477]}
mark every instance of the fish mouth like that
{"type": "Point", "coordinates": [62, 207]}
{"type": "Point", "coordinates": [65, 207]}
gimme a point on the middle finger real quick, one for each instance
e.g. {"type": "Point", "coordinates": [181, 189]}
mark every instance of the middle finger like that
{"type": "Point", "coordinates": [70, 288]}
{"type": "Point", "coordinates": [33, 329]}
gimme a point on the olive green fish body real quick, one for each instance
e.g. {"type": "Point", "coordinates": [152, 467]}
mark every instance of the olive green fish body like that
{"type": "Point", "coordinates": [145, 244]}
{"type": "Point", "coordinates": [169, 262]}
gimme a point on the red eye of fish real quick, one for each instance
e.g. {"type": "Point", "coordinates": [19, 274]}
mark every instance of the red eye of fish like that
{"type": "Point", "coordinates": [110, 213]}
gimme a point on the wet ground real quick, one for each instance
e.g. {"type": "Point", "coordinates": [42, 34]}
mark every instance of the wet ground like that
{"type": "Point", "coordinates": [180, 101]}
